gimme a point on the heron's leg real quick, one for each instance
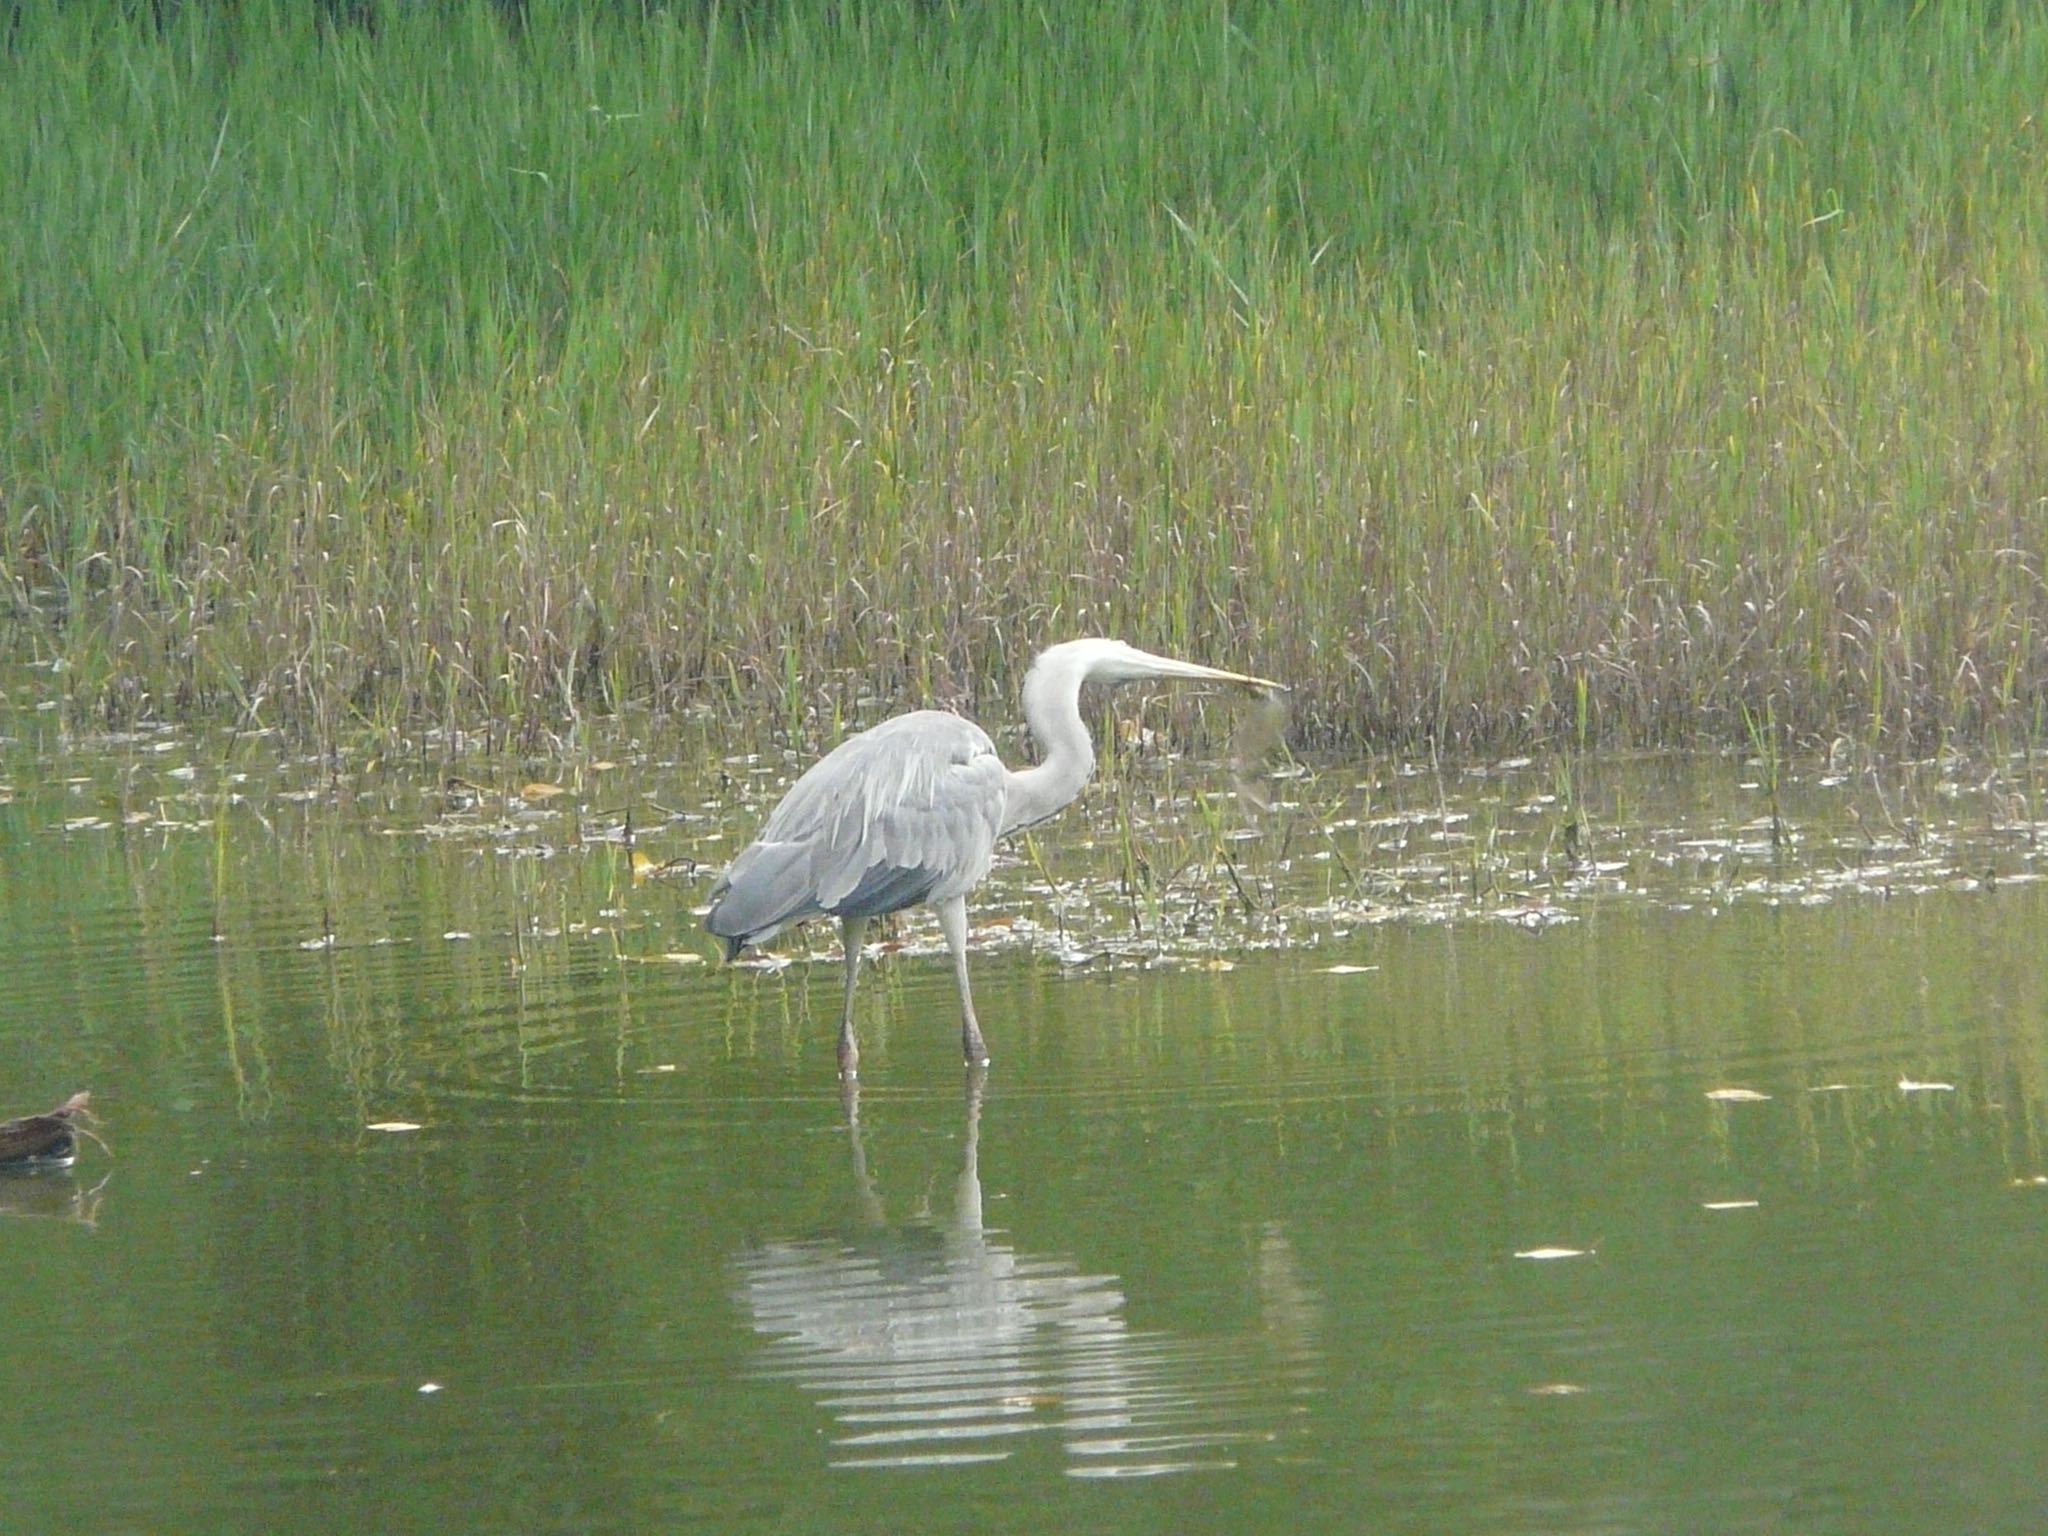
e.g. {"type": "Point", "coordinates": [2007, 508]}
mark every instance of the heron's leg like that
{"type": "Point", "coordinates": [851, 930]}
{"type": "Point", "coordinates": [866, 1195]}
{"type": "Point", "coordinates": [967, 1197]}
{"type": "Point", "coordinates": [953, 919]}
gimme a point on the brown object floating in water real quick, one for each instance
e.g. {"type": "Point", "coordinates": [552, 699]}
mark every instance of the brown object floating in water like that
{"type": "Point", "coordinates": [45, 1141]}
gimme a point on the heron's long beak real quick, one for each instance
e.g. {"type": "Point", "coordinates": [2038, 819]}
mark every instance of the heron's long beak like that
{"type": "Point", "coordinates": [1250, 681]}
{"type": "Point", "coordinates": [1188, 671]}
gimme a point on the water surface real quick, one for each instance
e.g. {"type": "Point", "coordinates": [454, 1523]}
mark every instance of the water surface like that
{"type": "Point", "coordinates": [1231, 1237]}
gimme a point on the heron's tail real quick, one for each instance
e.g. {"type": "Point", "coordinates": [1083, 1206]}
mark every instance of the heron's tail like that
{"type": "Point", "coordinates": [718, 922]}
{"type": "Point", "coordinates": [762, 893]}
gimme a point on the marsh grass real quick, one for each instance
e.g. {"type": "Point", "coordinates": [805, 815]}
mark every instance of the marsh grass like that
{"type": "Point", "coordinates": [1496, 374]}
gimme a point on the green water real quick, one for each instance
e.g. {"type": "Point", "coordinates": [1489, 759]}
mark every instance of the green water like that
{"type": "Point", "coordinates": [1211, 1249]}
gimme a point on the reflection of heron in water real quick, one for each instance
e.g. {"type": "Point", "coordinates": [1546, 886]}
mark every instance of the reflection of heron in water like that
{"type": "Point", "coordinates": [941, 1347]}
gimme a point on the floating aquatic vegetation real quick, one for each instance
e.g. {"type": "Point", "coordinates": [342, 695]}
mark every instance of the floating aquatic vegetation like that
{"type": "Point", "coordinates": [1166, 861]}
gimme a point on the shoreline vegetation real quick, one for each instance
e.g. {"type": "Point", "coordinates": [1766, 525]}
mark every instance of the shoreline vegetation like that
{"type": "Point", "coordinates": [1498, 374]}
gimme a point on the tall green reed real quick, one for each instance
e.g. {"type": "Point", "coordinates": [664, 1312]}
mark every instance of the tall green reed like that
{"type": "Point", "coordinates": [1437, 357]}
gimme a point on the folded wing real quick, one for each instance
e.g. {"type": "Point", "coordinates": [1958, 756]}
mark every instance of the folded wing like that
{"type": "Point", "coordinates": [903, 813]}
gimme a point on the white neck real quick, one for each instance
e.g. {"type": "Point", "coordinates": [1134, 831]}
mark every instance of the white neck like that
{"type": "Point", "coordinates": [1052, 708]}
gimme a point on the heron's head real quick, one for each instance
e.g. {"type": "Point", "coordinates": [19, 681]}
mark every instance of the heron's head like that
{"type": "Point", "coordinates": [1075, 662]}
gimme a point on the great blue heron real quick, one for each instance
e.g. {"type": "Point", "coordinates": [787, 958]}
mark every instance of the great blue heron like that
{"type": "Point", "coordinates": [910, 812]}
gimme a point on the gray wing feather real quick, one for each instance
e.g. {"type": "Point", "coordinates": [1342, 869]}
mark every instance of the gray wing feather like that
{"type": "Point", "coordinates": [903, 813]}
